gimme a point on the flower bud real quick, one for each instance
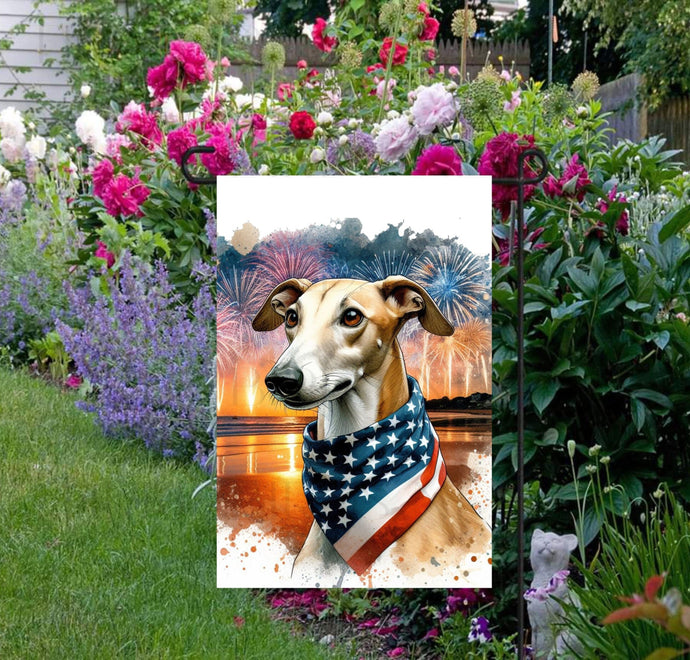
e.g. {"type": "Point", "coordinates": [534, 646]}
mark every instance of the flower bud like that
{"type": "Point", "coordinates": [571, 448]}
{"type": "Point", "coordinates": [317, 155]}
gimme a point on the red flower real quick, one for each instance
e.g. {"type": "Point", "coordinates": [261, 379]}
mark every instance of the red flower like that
{"type": "Point", "coordinates": [375, 67]}
{"type": "Point", "coordinates": [102, 252]}
{"type": "Point", "coordinates": [302, 125]}
{"type": "Point", "coordinates": [179, 141]}
{"type": "Point", "coordinates": [258, 122]}
{"type": "Point", "coordinates": [102, 175]}
{"type": "Point", "coordinates": [438, 159]}
{"type": "Point", "coordinates": [430, 29]}
{"type": "Point", "coordinates": [124, 196]}
{"type": "Point", "coordinates": [238, 621]}
{"type": "Point", "coordinates": [186, 63]}
{"type": "Point", "coordinates": [222, 160]}
{"type": "Point", "coordinates": [552, 186]}
{"type": "Point", "coordinates": [423, 8]}
{"type": "Point", "coordinates": [321, 41]}
{"type": "Point", "coordinates": [500, 160]}
{"type": "Point", "coordinates": [399, 55]}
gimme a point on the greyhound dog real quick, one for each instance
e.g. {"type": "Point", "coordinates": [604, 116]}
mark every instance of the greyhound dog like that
{"type": "Point", "coordinates": [345, 360]}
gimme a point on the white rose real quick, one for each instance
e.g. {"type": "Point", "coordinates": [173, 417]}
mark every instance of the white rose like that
{"type": "Point", "coordinates": [85, 91]}
{"type": "Point", "coordinates": [89, 127]}
{"type": "Point", "coordinates": [317, 155]}
{"type": "Point", "coordinates": [324, 118]}
{"type": "Point", "coordinates": [230, 84]}
{"type": "Point", "coordinates": [36, 147]}
{"type": "Point", "coordinates": [12, 124]}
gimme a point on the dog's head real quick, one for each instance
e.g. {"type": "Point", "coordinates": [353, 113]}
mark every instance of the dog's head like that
{"type": "Point", "coordinates": [339, 331]}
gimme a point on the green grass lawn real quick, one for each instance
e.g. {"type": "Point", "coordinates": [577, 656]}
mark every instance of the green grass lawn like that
{"type": "Point", "coordinates": [103, 553]}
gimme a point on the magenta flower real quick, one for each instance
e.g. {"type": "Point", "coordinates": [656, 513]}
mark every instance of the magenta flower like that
{"type": "Point", "coordinates": [429, 29]}
{"type": "Point", "coordinates": [102, 252]}
{"type": "Point", "coordinates": [500, 160]}
{"type": "Point", "coordinates": [125, 195]}
{"type": "Point", "coordinates": [221, 161]}
{"type": "Point", "coordinates": [623, 220]}
{"type": "Point", "coordinates": [179, 141]}
{"type": "Point", "coordinates": [73, 381]}
{"type": "Point", "coordinates": [575, 178]}
{"type": "Point", "coordinates": [438, 160]}
{"type": "Point", "coordinates": [186, 63]}
{"type": "Point", "coordinates": [136, 119]}
{"type": "Point", "coordinates": [102, 174]}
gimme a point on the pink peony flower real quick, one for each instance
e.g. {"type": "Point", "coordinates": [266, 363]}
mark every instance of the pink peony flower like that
{"type": "Point", "coordinates": [433, 108]}
{"type": "Point", "coordinates": [396, 652]}
{"type": "Point", "coordinates": [179, 141]}
{"type": "Point", "coordinates": [73, 381]}
{"type": "Point", "coordinates": [381, 86]}
{"type": "Point", "coordinates": [222, 160]}
{"type": "Point", "coordinates": [395, 139]}
{"type": "Point", "coordinates": [399, 55]}
{"type": "Point", "coordinates": [500, 160]}
{"type": "Point", "coordinates": [423, 8]}
{"type": "Point", "coordinates": [102, 252]}
{"type": "Point", "coordinates": [321, 41]}
{"type": "Point", "coordinates": [301, 64]}
{"type": "Point", "coordinates": [102, 174]}
{"type": "Point", "coordinates": [258, 122]}
{"type": "Point", "coordinates": [114, 142]}
{"type": "Point", "coordinates": [552, 187]}
{"type": "Point", "coordinates": [186, 63]}
{"type": "Point", "coordinates": [136, 119]}
{"type": "Point", "coordinates": [284, 91]}
{"type": "Point", "coordinates": [429, 29]}
{"type": "Point", "coordinates": [438, 159]}
{"type": "Point", "coordinates": [453, 71]}
{"type": "Point", "coordinates": [505, 75]}
{"type": "Point", "coordinates": [125, 195]}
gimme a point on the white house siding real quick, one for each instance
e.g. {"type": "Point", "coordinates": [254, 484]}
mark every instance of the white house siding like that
{"type": "Point", "coordinates": [32, 48]}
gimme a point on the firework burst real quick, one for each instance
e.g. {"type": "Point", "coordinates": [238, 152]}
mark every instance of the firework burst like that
{"type": "Point", "coordinates": [385, 265]}
{"type": "Point", "coordinates": [240, 296]}
{"type": "Point", "coordinates": [454, 278]}
{"type": "Point", "coordinates": [284, 255]}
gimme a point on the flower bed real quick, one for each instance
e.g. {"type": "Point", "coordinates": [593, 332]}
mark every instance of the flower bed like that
{"type": "Point", "coordinates": [607, 264]}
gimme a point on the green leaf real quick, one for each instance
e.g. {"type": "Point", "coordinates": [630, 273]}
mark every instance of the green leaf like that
{"type": "Point", "coordinates": [639, 412]}
{"type": "Point", "coordinates": [664, 653]}
{"type": "Point", "coordinates": [653, 396]}
{"type": "Point", "coordinates": [550, 437]}
{"type": "Point", "coordinates": [661, 339]}
{"type": "Point", "coordinates": [675, 223]}
{"type": "Point", "coordinates": [543, 393]}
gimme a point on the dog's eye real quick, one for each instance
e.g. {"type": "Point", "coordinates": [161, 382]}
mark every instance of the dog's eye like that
{"type": "Point", "coordinates": [352, 317]}
{"type": "Point", "coordinates": [290, 318]}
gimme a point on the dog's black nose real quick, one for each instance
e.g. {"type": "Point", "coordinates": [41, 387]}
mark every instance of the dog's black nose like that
{"type": "Point", "coordinates": [286, 382]}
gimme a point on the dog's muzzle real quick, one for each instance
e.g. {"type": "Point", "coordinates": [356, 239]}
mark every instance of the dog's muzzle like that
{"type": "Point", "coordinates": [284, 382]}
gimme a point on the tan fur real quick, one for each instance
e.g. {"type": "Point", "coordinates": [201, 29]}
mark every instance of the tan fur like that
{"type": "Point", "coordinates": [450, 528]}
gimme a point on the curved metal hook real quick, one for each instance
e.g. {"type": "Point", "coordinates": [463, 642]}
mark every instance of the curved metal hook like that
{"type": "Point", "coordinates": [520, 180]}
{"type": "Point", "coordinates": [201, 180]}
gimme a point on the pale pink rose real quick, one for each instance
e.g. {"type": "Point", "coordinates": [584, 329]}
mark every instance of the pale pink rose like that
{"type": "Point", "coordinates": [382, 86]}
{"type": "Point", "coordinates": [433, 108]}
{"type": "Point", "coordinates": [453, 71]}
{"type": "Point", "coordinates": [395, 139]}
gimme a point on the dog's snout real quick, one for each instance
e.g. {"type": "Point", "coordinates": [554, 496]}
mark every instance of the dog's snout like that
{"type": "Point", "coordinates": [286, 382]}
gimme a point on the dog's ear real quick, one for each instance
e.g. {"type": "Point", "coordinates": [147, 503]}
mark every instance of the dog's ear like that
{"type": "Point", "coordinates": [410, 299]}
{"type": "Point", "coordinates": [272, 312]}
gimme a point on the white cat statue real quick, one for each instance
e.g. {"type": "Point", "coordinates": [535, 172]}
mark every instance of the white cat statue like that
{"type": "Point", "coordinates": [549, 555]}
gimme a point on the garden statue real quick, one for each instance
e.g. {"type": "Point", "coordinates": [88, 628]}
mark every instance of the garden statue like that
{"type": "Point", "coordinates": [549, 556]}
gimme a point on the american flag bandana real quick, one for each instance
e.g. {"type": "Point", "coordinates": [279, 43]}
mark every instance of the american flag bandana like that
{"type": "Point", "coordinates": [367, 488]}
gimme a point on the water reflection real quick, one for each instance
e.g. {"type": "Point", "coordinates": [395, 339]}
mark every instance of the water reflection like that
{"type": "Point", "coordinates": [260, 468]}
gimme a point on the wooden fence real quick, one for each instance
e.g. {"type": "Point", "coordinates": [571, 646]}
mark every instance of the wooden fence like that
{"type": "Point", "coordinates": [514, 54]}
{"type": "Point", "coordinates": [631, 118]}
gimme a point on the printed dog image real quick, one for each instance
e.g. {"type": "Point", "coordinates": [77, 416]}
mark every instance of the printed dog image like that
{"type": "Point", "coordinates": [374, 476]}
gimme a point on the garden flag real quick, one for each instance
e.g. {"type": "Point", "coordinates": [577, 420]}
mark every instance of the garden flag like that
{"type": "Point", "coordinates": [354, 382]}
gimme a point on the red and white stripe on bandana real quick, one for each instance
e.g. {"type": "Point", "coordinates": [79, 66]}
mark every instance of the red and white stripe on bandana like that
{"type": "Point", "coordinates": [367, 488]}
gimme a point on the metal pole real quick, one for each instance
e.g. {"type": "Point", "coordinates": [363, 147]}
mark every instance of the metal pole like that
{"type": "Point", "coordinates": [550, 35]}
